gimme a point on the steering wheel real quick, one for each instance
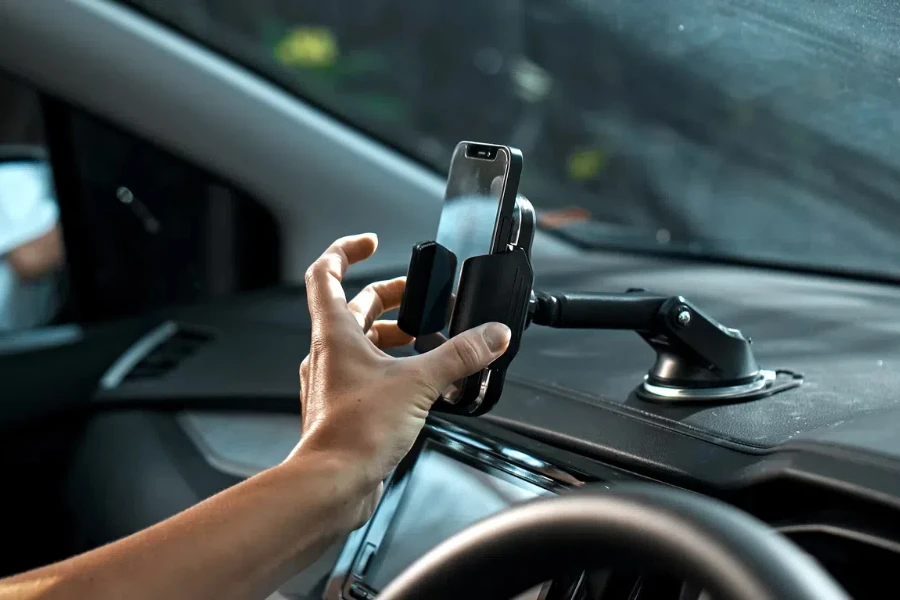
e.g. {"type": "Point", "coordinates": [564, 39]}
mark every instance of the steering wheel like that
{"type": "Point", "coordinates": [732, 555]}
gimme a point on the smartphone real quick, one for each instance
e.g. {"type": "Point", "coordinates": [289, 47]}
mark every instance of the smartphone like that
{"type": "Point", "coordinates": [477, 218]}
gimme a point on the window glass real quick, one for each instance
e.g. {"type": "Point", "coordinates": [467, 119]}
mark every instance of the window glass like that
{"type": "Point", "coordinates": [147, 230]}
{"type": "Point", "coordinates": [113, 226]}
{"type": "Point", "coordinates": [747, 129]}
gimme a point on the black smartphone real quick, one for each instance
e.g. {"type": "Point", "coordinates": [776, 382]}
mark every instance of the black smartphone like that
{"type": "Point", "coordinates": [477, 218]}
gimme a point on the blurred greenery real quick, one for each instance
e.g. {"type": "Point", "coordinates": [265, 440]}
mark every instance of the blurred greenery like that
{"type": "Point", "coordinates": [331, 76]}
{"type": "Point", "coordinates": [586, 163]}
{"type": "Point", "coordinates": [614, 111]}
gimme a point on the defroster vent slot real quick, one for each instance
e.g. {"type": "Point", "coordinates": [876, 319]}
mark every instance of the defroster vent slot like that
{"type": "Point", "coordinates": [156, 354]}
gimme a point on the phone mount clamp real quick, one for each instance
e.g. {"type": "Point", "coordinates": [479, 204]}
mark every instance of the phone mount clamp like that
{"type": "Point", "coordinates": [492, 288]}
{"type": "Point", "coordinates": [698, 360]}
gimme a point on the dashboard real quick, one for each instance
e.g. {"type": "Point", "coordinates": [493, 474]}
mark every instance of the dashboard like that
{"type": "Point", "coordinates": [182, 400]}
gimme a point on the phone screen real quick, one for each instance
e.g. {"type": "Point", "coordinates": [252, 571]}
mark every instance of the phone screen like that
{"type": "Point", "coordinates": [472, 202]}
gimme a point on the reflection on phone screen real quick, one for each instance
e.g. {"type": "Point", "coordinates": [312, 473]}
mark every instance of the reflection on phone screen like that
{"type": "Point", "coordinates": [471, 204]}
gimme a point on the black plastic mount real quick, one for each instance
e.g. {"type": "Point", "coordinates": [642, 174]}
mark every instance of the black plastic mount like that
{"type": "Point", "coordinates": [492, 288]}
{"type": "Point", "coordinates": [697, 358]}
{"type": "Point", "coordinates": [427, 299]}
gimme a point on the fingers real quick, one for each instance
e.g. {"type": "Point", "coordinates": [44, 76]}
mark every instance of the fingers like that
{"type": "Point", "coordinates": [463, 355]}
{"type": "Point", "coordinates": [323, 279]}
{"type": "Point", "coordinates": [427, 343]}
{"type": "Point", "coordinates": [386, 335]}
{"type": "Point", "coordinates": [375, 300]}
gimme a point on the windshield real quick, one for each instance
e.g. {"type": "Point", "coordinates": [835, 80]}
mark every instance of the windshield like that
{"type": "Point", "coordinates": [740, 128]}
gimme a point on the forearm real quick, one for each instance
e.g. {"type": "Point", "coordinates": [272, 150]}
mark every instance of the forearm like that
{"type": "Point", "coordinates": [38, 257]}
{"type": "Point", "coordinates": [240, 544]}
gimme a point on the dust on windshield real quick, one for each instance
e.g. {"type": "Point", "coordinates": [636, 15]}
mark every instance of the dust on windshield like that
{"type": "Point", "coordinates": [738, 128]}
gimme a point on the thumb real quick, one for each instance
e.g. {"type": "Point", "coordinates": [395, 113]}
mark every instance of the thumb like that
{"type": "Point", "coordinates": [464, 355]}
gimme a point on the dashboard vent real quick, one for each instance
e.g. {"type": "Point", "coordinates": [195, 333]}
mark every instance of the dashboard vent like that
{"type": "Point", "coordinates": [156, 354]}
{"type": "Point", "coordinates": [168, 354]}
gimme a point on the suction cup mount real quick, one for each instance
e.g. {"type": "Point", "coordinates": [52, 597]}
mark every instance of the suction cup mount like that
{"type": "Point", "coordinates": [697, 359]}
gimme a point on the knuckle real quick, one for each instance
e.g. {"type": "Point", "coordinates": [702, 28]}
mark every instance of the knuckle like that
{"type": "Point", "coordinates": [339, 254]}
{"type": "Point", "coordinates": [318, 345]}
{"type": "Point", "coordinates": [468, 352]}
{"type": "Point", "coordinates": [364, 298]}
{"type": "Point", "coordinates": [310, 274]}
{"type": "Point", "coordinates": [373, 292]}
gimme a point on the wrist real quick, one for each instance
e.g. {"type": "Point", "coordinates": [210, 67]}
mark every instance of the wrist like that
{"type": "Point", "coordinates": [354, 460]}
{"type": "Point", "coordinates": [341, 480]}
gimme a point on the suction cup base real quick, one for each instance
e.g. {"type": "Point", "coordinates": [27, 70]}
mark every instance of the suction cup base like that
{"type": "Point", "coordinates": [764, 384]}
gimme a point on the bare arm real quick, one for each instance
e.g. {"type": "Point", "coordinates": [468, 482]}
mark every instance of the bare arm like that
{"type": "Point", "coordinates": [38, 257]}
{"type": "Point", "coordinates": [362, 410]}
{"type": "Point", "coordinates": [240, 544]}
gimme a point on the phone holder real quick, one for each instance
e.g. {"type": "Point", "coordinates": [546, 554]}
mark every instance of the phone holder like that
{"type": "Point", "coordinates": [698, 360]}
{"type": "Point", "coordinates": [492, 288]}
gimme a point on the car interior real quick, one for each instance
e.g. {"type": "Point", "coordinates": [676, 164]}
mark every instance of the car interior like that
{"type": "Point", "coordinates": [732, 164]}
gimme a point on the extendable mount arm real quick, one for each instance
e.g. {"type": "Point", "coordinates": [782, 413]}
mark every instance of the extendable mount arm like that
{"type": "Point", "coordinates": [696, 357]}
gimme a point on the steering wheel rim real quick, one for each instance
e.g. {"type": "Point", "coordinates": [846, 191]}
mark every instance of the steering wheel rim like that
{"type": "Point", "coordinates": [731, 554]}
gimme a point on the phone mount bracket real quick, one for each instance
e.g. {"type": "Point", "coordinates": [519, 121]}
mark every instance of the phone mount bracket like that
{"type": "Point", "coordinates": [492, 288]}
{"type": "Point", "coordinates": [698, 360]}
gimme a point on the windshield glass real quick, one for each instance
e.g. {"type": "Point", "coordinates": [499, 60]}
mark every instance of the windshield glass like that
{"type": "Point", "coordinates": [740, 128]}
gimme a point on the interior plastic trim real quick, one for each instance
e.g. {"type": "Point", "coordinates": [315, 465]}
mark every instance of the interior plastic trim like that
{"type": "Point", "coordinates": [241, 444]}
{"type": "Point", "coordinates": [135, 354]}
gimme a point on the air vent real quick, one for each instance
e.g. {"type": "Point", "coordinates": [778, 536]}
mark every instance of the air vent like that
{"type": "Point", "coordinates": [156, 354]}
{"type": "Point", "coordinates": [620, 585]}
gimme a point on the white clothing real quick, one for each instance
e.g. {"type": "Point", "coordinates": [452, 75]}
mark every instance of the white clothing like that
{"type": "Point", "coordinates": [28, 210]}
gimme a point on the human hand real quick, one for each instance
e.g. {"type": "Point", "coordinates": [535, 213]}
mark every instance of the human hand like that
{"type": "Point", "coordinates": [359, 403]}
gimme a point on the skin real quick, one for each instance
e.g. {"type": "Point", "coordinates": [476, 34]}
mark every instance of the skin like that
{"type": "Point", "coordinates": [38, 257]}
{"type": "Point", "coordinates": [362, 411]}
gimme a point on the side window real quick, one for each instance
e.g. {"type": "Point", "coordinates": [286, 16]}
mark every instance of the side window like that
{"type": "Point", "coordinates": [98, 224]}
{"type": "Point", "coordinates": [146, 229]}
{"type": "Point", "coordinates": [32, 256]}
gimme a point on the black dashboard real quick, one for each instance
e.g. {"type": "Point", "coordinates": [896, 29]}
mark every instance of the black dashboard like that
{"type": "Point", "coordinates": [820, 463]}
